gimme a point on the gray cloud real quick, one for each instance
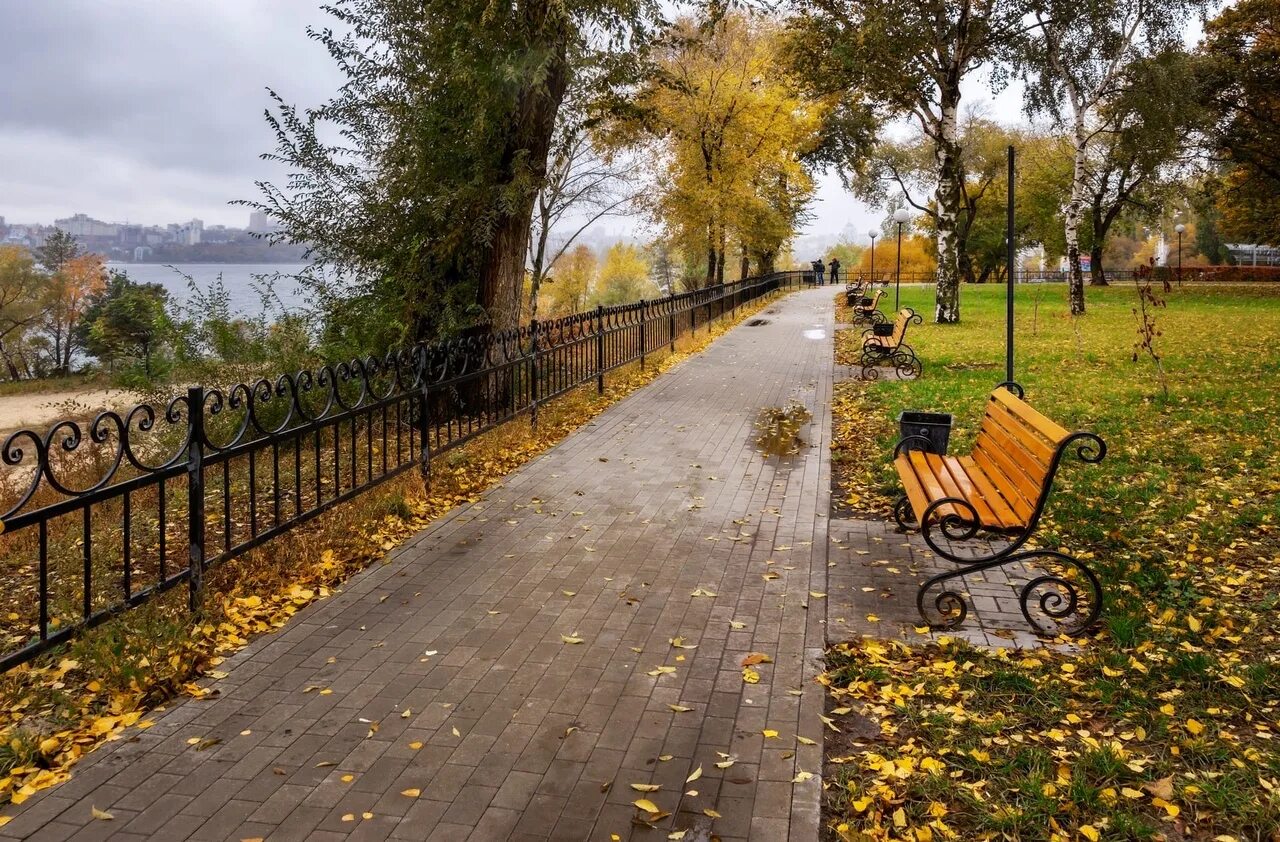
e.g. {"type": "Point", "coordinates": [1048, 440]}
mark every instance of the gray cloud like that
{"type": "Point", "coordinates": [149, 111]}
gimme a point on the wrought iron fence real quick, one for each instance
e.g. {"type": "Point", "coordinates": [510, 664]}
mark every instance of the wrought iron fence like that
{"type": "Point", "coordinates": [103, 515]}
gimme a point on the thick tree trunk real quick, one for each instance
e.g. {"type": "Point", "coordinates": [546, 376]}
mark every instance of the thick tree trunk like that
{"type": "Point", "coordinates": [1075, 210]}
{"type": "Point", "coordinates": [948, 199]}
{"type": "Point", "coordinates": [525, 154]}
{"type": "Point", "coordinates": [720, 264]}
{"type": "Point", "coordinates": [1097, 277]}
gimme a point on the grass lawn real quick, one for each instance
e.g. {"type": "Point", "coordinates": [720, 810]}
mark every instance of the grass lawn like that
{"type": "Point", "coordinates": [1163, 726]}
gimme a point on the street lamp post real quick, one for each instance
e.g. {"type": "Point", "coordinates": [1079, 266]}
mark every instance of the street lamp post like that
{"type": "Point", "coordinates": [873, 234]}
{"type": "Point", "coordinates": [1179, 228]}
{"type": "Point", "coordinates": [901, 217]}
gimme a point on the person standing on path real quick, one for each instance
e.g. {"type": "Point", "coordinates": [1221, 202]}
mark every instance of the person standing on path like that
{"type": "Point", "coordinates": [835, 271]}
{"type": "Point", "coordinates": [819, 272]}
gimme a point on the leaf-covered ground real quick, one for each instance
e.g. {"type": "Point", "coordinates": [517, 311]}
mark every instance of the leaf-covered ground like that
{"type": "Point", "coordinates": [1164, 724]}
{"type": "Point", "coordinates": [117, 676]}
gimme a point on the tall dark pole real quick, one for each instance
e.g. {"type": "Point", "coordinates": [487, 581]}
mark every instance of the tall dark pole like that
{"type": "Point", "coordinates": [1010, 257]}
{"type": "Point", "coordinates": [873, 259]}
{"type": "Point", "coordinates": [897, 273]}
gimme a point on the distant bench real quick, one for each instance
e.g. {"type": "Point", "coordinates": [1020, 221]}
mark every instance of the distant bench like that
{"type": "Point", "coordinates": [892, 349]}
{"type": "Point", "coordinates": [1000, 488]}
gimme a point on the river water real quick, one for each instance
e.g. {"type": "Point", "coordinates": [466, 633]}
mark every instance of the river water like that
{"type": "Point", "coordinates": [243, 281]}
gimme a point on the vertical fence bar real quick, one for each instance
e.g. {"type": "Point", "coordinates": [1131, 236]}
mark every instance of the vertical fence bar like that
{"type": "Point", "coordinates": [424, 415]}
{"type": "Point", "coordinates": [195, 493]}
{"type": "Point", "coordinates": [671, 320]}
{"type": "Point", "coordinates": [644, 318]}
{"type": "Point", "coordinates": [533, 373]}
{"type": "Point", "coordinates": [600, 349]}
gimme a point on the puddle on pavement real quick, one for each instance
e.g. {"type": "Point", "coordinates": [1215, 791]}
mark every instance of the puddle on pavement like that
{"type": "Point", "coordinates": [815, 333]}
{"type": "Point", "coordinates": [778, 429]}
{"type": "Point", "coordinates": [757, 322]}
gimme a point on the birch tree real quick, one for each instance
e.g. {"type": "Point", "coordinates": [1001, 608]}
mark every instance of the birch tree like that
{"type": "Point", "coordinates": [910, 59]}
{"type": "Point", "coordinates": [1073, 62]}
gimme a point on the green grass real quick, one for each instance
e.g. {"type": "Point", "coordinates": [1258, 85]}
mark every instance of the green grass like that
{"type": "Point", "coordinates": [1180, 520]}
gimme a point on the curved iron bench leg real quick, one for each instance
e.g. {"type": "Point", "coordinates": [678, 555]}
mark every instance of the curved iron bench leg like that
{"type": "Point", "coordinates": [1057, 596]}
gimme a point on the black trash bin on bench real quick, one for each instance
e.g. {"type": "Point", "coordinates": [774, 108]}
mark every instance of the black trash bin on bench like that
{"type": "Point", "coordinates": [927, 431]}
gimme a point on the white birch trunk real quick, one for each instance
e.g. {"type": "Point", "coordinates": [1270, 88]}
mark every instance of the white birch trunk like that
{"type": "Point", "coordinates": [1075, 210]}
{"type": "Point", "coordinates": [947, 196]}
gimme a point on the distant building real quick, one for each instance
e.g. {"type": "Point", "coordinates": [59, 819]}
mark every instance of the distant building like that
{"type": "Point", "coordinates": [83, 225]}
{"type": "Point", "coordinates": [191, 233]}
{"type": "Point", "coordinates": [1254, 254]}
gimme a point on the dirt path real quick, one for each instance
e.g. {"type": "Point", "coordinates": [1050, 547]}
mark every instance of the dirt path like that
{"type": "Point", "coordinates": [39, 410]}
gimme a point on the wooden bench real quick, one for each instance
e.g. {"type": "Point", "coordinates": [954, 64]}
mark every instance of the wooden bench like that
{"type": "Point", "coordinates": [866, 310]}
{"type": "Point", "coordinates": [891, 349]}
{"type": "Point", "coordinates": [1001, 488]}
{"type": "Point", "coordinates": [853, 292]}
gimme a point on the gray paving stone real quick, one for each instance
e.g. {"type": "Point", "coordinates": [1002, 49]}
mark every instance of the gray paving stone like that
{"type": "Point", "coordinates": [662, 495]}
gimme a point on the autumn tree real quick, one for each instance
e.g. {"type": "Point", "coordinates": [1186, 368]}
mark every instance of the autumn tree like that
{"type": "Point", "coordinates": [623, 277]}
{"type": "Point", "coordinates": [444, 125]}
{"type": "Point", "coordinates": [21, 289]}
{"type": "Point", "coordinates": [1241, 75]}
{"type": "Point", "coordinates": [69, 289]}
{"type": "Point", "coordinates": [917, 257]}
{"type": "Point", "coordinates": [1075, 60]}
{"type": "Point", "coordinates": [725, 133]}
{"type": "Point", "coordinates": [567, 287]}
{"type": "Point", "coordinates": [911, 59]}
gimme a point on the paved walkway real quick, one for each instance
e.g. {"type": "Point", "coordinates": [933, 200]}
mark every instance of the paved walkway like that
{"type": "Point", "coordinates": [448, 671]}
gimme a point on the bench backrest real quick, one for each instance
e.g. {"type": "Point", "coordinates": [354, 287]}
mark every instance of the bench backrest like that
{"type": "Point", "coordinates": [875, 300]}
{"type": "Point", "coordinates": [1015, 448]}
{"type": "Point", "coordinates": [900, 326]}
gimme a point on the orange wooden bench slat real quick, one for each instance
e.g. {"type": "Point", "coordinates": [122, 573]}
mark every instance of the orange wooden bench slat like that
{"type": "Point", "coordinates": [1009, 518]}
{"type": "Point", "coordinates": [956, 481]}
{"type": "Point", "coordinates": [991, 437]}
{"type": "Point", "coordinates": [930, 482]}
{"type": "Point", "coordinates": [1049, 429]}
{"type": "Point", "coordinates": [914, 488]}
{"type": "Point", "coordinates": [1017, 498]}
{"type": "Point", "coordinates": [1028, 437]}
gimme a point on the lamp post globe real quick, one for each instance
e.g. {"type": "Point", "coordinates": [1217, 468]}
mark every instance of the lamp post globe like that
{"type": "Point", "coordinates": [873, 233]}
{"type": "Point", "coordinates": [900, 216]}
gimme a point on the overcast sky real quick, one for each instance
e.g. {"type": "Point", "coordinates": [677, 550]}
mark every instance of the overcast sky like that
{"type": "Point", "coordinates": [151, 112]}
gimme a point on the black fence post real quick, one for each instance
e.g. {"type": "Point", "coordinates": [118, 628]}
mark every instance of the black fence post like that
{"type": "Point", "coordinates": [195, 494]}
{"type": "Point", "coordinates": [644, 339]}
{"type": "Point", "coordinates": [424, 415]}
{"type": "Point", "coordinates": [533, 373]}
{"type": "Point", "coordinates": [671, 320]}
{"type": "Point", "coordinates": [600, 349]}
